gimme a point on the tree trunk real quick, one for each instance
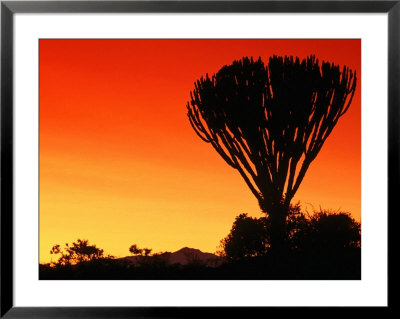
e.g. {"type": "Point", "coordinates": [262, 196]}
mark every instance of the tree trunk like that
{"type": "Point", "coordinates": [278, 231]}
{"type": "Point", "coordinates": [277, 216]}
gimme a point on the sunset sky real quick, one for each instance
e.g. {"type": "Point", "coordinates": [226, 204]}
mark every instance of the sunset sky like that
{"type": "Point", "coordinates": [121, 165]}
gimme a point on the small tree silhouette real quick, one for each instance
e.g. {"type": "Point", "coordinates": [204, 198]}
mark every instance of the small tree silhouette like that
{"type": "Point", "coordinates": [248, 238]}
{"type": "Point", "coordinates": [269, 122]}
{"type": "Point", "coordinates": [136, 251]}
{"type": "Point", "coordinates": [79, 251]}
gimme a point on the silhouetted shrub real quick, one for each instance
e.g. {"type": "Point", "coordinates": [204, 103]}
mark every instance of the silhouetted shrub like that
{"type": "Point", "coordinates": [323, 231]}
{"type": "Point", "coordinates": [247, 238]}
{"type": "Point", "coordinates": [77, 252]}
{"type": "Point", "coordinates": [136, 251]}
{"type": "Point", "coordinates": [330, 231]}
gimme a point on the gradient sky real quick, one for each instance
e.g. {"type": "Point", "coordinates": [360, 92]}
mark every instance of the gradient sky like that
{"type": "Point", "coordinates": [121, 165]}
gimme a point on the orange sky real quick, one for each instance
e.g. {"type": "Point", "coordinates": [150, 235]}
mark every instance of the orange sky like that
{"type": "Point", "coordinates": [121, 165]}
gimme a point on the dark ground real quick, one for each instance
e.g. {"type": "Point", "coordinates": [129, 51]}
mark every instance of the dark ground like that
{"type": "Point", "coordinates": [343, 265]}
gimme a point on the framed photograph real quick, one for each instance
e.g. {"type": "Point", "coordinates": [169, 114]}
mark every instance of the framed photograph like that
{"type": "Point", "coordinates": [181, 158]}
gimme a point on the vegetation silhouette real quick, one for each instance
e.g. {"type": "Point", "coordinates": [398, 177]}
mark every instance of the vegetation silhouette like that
{"type": "Point", "coordinates": [136, 251]}
{"type": "Point", "coordinates": [323, 232]}
{"type": "Point", "coordinates": [269, 123]}
{"type": "Point", "coordinates": [78, 252]}
{"type": "Point", "coordinates": [329, 232]}
{"type": "Point", "coordinates": [247, 238]}
{"type": "Point", "coordinates": [324, 245]}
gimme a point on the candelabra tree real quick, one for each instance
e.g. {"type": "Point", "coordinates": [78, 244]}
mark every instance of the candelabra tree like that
{"type": "Point", "coordinates": [269, 122]}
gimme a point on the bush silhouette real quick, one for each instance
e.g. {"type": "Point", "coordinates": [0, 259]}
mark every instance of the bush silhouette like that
{"type": "Point", "coordinates": [329, 231]}
{"type": "Point", "coordinates": [247, 238]}
{"type": "Point", "coordinates": [78, 252]}
{"type": "Point", "coordinates": [322, 232]}
{"type": "Point", "coordinates": [136, 251]}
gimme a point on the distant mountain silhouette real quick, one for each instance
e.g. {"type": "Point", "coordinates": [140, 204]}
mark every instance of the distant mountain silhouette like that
{"type": "Point", "coordinates": [183, 256]}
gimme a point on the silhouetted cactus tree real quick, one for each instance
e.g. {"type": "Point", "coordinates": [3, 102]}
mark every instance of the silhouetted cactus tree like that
{"type": "Point", "coordinates": [269, 122]}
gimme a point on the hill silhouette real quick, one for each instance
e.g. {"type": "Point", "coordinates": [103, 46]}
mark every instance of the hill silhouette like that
{"type": "Point", "coordinates": [183, 256]}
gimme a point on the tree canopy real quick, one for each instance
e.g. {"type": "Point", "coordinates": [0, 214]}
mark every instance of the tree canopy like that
{"type": "Point", "coordinates": [77, 252]}
{"type": "Point", "coordinates": [269, 122]}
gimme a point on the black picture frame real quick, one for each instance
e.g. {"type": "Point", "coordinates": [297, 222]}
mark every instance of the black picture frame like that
{"type": "Point", "coordinates": [9, 8]}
